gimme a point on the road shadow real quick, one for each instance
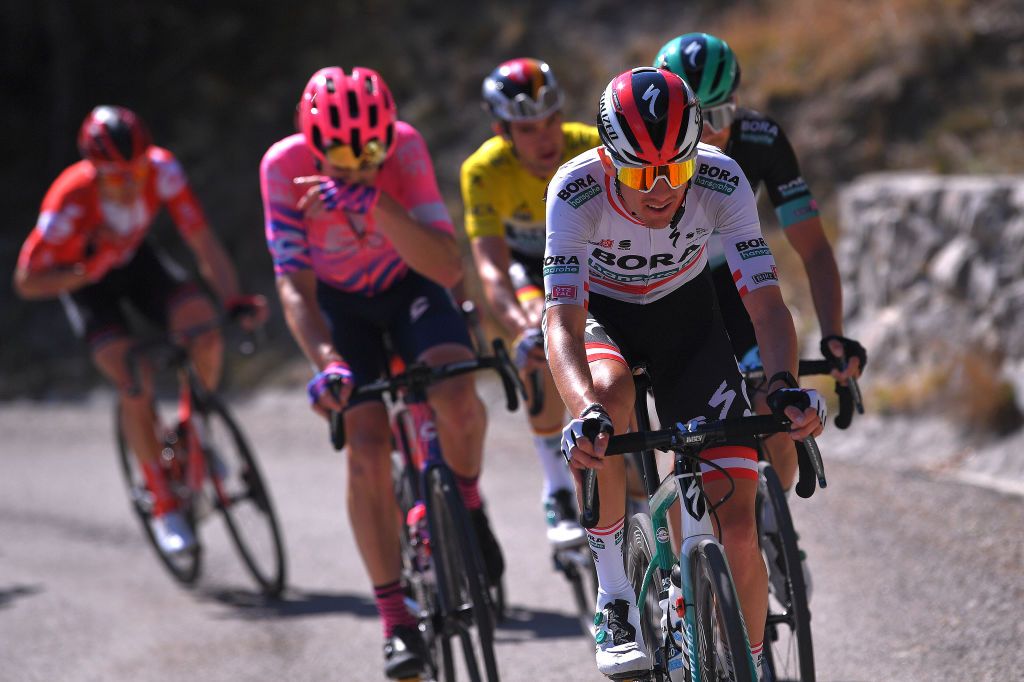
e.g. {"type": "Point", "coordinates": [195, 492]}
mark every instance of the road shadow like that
{"type": "Point", "coordinates": [250, 605]}
{"type": "Point", "coordinates": [523, 624]}
{"type": "Point", "coordinates": [9, 594]}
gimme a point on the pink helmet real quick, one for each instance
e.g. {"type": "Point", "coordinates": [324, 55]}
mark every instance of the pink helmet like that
{"type": "Point", "coordinates": [348, 120]}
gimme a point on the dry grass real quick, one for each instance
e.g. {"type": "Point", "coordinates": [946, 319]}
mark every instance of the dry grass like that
{"type": "Point", "coordinates": [967, 387]}
{"type": "Point", "coordinates": [792, 49]}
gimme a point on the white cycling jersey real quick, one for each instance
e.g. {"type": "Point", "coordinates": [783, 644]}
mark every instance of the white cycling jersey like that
{"type": "Point", "coordinates": [595, 245]}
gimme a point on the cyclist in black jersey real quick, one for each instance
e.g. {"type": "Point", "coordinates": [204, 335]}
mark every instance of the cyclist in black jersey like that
{"type": "Point", "coordinates": [760, 146]}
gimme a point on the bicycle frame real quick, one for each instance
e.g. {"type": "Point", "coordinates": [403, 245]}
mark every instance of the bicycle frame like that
{"type": "Point", "coordinates": [695, 524]}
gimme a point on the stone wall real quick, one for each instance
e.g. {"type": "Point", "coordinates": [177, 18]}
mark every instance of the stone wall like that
{"type": "Point", "coordinates": [933, 270]}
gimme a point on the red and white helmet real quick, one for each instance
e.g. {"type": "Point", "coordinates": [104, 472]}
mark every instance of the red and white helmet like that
{"type": "Point", "coordinates": [112, 134]}
{"type": "Point", "coordinates": [348, 120]}
{"type": "Point", "coordinates": [522, 90]}
{"type": "Point", "coordinates": [649, 117]}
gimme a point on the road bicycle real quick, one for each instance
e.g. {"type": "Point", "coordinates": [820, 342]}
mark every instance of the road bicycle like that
{"type": "Point", "coordinates": [208, 465]}
{"type": "Point", "coordinates": [789, 646]}
{"type": "Point", "coordinates": [576, 564]}
{"type": "Point", "coordinates": [707, 638]}
{"type": "Point", "coordinates": [442, 566]}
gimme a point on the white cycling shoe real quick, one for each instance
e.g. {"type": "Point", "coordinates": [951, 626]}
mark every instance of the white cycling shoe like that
{"type": "Point", "coordinates": [621, 652]}
{"type": "Point", "coordinates": [564, 530]}
{"type": "Point", "coordinates": [172, 533]}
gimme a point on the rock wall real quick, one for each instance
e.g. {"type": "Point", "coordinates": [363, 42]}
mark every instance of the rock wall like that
{"type": "Point", "coordinates": [933, 270]}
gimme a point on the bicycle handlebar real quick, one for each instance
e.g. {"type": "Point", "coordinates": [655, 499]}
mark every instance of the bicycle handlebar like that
{"type": "Point", "coordinates": [850, 397]}
{"type": "Point", "coordinates": [696, 436]}
{"type": "Point", "coordinates": [417, 377]}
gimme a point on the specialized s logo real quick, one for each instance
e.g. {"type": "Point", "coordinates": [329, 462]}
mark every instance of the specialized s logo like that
{"type": "Point", "coordinates": [580, 191]}
{"type": "Point", "coordinates": [651, 94]}
{"type": "Point", "coordinates": [691, 51]}
{"type": "Point", "coordinates": [694, 499]}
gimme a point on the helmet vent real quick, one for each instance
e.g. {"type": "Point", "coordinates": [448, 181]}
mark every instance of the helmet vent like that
{"type": "Point", "coordinates": [353, 105]}
{"type": "Point", "coordinates": [371, 114]}
{"type": "Point", "coordinates": [329, 82]}
{"type": "Point", "coordinates": [335, 116]}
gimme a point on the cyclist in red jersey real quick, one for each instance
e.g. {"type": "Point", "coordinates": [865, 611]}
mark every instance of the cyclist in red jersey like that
{"type": "Point", "coordinates": [89, 249]}
{"type": "Point", "coordinates": [363, 247]}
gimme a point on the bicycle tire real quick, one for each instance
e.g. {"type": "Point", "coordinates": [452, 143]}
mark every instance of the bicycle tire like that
{"type": "Point", "coordinates": [464, 598]}
{"type": "Point", "coordinates": [640, 550]}
{"type": "Point", "coordinates": [789, 646]}
{"type": "Point", "coordinates": [238, 488]}
{"type": "Point", "coordinates": [185, 567]}
{"type": "Point", "coordinates": [581, 574]}
{"type": "Point", "coordinates": [721, 638]}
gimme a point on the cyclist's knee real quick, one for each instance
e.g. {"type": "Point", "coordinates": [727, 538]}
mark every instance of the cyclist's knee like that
{"type": "Point", "coordinates": [456, 403]}
{"type": "Point", "coordinates": [368, 458]}
{"type": "Point", "coordinates": [613, 385]}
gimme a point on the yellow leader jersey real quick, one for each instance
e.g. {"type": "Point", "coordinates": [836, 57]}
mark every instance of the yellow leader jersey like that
{"type": "Point", "coordinates": [504, 199]}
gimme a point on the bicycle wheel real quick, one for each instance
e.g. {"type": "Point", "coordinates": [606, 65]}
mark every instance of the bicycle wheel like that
{"type": "Point", "coordinates": [240, 494]}
{"type": "Point", "coordinates": [639, 553]}
{"type": "Point", "coordinates": [722, 648]}
{"type": "Point", "coordinates": [463, 596]}
{"type": "Point", "coordinates": [788, 644]}
{"type": "Point", "coordinates": [577, 565]}
{"type": "Point", "coordinates": [184, 566]}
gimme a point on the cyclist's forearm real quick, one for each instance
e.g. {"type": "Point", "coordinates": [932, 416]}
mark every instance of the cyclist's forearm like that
{"type": "Point", "coordinates": [430, 252]}
{"type": "Point", "coordinates": [49, 284]}
{"type": "Point", "coordinates": [826, 291]}
{"type": "Point", "coordinates": [307, 325]}
{"type": "Point", "coordinates": [219, 272]}
{"type": "Point", "coordinates": [567, 358]}
{"type": "Point", "coordinates": [502, 299]}
{"type": "Point", "coordinates": [776, 335]}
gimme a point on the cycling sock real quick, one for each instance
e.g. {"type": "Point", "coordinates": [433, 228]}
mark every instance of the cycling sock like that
{"type": "Point", "coordinates": [556, 472]}
{"type": "Point", "coordinates": [391, 606]}
{"type": "Point", "coordinates": [469, 489]}
{"type": "Point", "coordinates": [607, 546]}
{"type": "Point", "coordinates": [757, 653]}
{"type": "Point", "coordinates": [163, 500]}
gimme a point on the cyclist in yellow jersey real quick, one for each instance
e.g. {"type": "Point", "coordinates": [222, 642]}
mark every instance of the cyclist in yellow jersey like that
{"type": "Point", "coordinates": [503, 186]}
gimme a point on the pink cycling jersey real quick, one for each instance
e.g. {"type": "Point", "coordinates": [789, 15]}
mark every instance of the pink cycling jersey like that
{"type": "Point", "coordinates": [346, 250]}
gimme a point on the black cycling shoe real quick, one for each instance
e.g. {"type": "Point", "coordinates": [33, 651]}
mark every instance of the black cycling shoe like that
{"type": "Point", "coordinates": [404, 653]}
{"type": "Point", "coordinates": [494, 562]}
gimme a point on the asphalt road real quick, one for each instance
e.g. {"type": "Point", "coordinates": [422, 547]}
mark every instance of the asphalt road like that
{"type": "Point", "coordinates": [915, 577]}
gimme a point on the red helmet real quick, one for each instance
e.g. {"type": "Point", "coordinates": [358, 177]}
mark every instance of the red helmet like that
{"type": "Point", "coordinates": [649, 117]}
{"type": "Point", "coordinates": [112, 134]}
{"type": "Point", "coordinates": [348, 120]}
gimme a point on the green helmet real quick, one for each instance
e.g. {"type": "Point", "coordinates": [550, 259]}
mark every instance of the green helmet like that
{"type": "Point", "coordinates": [705, 62]}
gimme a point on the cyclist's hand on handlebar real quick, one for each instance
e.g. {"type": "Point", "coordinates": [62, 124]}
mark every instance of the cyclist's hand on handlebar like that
{"type": "Point", "coordinates": [849, 352]}
{"type": "Point", "coordinates": [579, 451]}
{"type": "Point", "coordinates": [251, 311]}
{"type": "Point", "coordinates": [804, 407]}
{"type": "Point", "coordinates": [321, 398]}
{"type": "Point", "coordinates": [528, 349]}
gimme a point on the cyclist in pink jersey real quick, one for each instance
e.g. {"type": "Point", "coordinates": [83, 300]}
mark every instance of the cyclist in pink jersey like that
{"type": "Point", "coordinates": [363, 247]}
{"type": "Point", "coordinates": [90, 249]}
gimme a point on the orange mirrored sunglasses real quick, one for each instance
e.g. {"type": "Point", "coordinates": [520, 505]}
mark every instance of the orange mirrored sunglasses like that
{"type": "Point", "coordinates": [342, 156]}
{"type": "Point", "coordinates": [643, 178]}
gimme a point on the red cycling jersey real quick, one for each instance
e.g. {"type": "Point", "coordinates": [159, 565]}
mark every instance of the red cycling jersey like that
{"type": "Point", "coordinates": [76, 225]}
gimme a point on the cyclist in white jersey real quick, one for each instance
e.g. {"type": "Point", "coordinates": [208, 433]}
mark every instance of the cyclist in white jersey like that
{"type": "Point", "coordinates": [626, 281]}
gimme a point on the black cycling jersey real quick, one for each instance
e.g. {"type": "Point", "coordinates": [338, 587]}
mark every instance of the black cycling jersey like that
{"type": "Point", "coordinates": [760, 146]}
{"type": "Point", "coordinates": [150, 283]}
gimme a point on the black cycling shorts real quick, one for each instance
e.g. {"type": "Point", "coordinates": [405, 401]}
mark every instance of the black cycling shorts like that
{"type": "Point", "coordinates": [734, 313]}
{"type": "Point", "coordinates": [415, 313]}
{"type": "Point", "coordinates": [684, 344]}
{"type": "Point", "coordinates": [149, 283]}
